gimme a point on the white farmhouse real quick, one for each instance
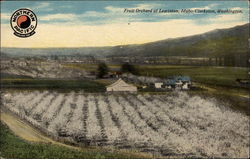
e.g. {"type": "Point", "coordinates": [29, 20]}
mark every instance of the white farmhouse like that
{"type": "Point", "coordinates": [121, 86]}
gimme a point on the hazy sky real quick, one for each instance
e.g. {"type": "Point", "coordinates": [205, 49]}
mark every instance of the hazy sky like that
{"type": "Point", "coordinates": [104, 23]}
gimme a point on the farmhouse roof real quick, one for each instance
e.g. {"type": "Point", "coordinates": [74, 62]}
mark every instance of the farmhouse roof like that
{"type": "Point", "coordinates": [183, 78]}
{"type": "Point", "coordinates": [174, 80]}
{"type": "Point", "coordinates": [119, 82]}
{"type": "Point", "coordinates": [170, 82]}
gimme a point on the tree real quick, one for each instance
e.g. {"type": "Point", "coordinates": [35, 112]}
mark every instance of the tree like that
{"type": "Point", "coordinates": [126, 67]}
{"type": "Point", "coordinates": [102, 70]}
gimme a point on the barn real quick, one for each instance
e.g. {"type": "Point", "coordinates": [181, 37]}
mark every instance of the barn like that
{"type": "Point", "coordinates": [121, 86]}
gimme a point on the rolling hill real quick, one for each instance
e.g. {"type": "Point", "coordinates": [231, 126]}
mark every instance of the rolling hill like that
{"type": "Point", "coordinates": [219, 42]}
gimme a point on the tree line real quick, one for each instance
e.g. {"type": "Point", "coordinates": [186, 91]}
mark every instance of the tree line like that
{"type": "Point", "coordinates": [103, 69]}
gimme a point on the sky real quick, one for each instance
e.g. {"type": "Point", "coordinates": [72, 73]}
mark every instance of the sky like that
{"type": "Point", "coordinates": [104, 23]}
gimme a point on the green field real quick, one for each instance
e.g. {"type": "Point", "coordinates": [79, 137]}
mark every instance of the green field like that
{"type": "Point", "coordinates": [213, 76]}
{"type": "Point", "coordinates": [24, 83]}
{"type": "Point", "coordinates": [13, 147]}
{"type": "Point", "coordinates": [88, 67]}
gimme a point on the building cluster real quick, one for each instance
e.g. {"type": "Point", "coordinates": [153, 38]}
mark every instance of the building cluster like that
{"type": "Point", "coordinates": [174, 83]}
{"type": "Point", "coordinates": [177, 83]}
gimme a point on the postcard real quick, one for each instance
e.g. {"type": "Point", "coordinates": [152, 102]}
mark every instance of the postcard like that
{"type": "Point", "coordinates": [125, 79]}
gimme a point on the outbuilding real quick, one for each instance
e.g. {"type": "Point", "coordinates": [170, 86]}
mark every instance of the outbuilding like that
{"type": "Point", "coordinates": [158, 85]}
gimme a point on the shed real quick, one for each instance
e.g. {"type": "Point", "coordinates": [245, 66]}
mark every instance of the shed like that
{"type": "Point", "coordinates": [158, 85]}
{"type": "Point", "coordinates": [121, 86]}
{"type": "Point", "coordinates": [185, 86]}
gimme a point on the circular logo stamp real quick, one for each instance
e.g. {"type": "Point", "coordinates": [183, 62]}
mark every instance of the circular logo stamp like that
{"type": "Point", "coordinates": [23, 21]}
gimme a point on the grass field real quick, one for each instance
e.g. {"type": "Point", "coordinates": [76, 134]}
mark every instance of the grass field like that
{"type": "Point", "coordinates": [85, 85]}
{"type": "Point", "coordinates": [88, 67]}
{"type": "Point", "coordinates": [212, 76]}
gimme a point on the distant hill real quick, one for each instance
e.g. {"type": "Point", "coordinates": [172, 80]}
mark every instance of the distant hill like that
{"type": "Point", "coordinates": [84, 51]}
{"type": "Point", "coordinates": [216, 43]}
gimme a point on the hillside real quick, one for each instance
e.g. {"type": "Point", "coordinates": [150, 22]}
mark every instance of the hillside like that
{"type": "Point", "coordinates": [219, 42]}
